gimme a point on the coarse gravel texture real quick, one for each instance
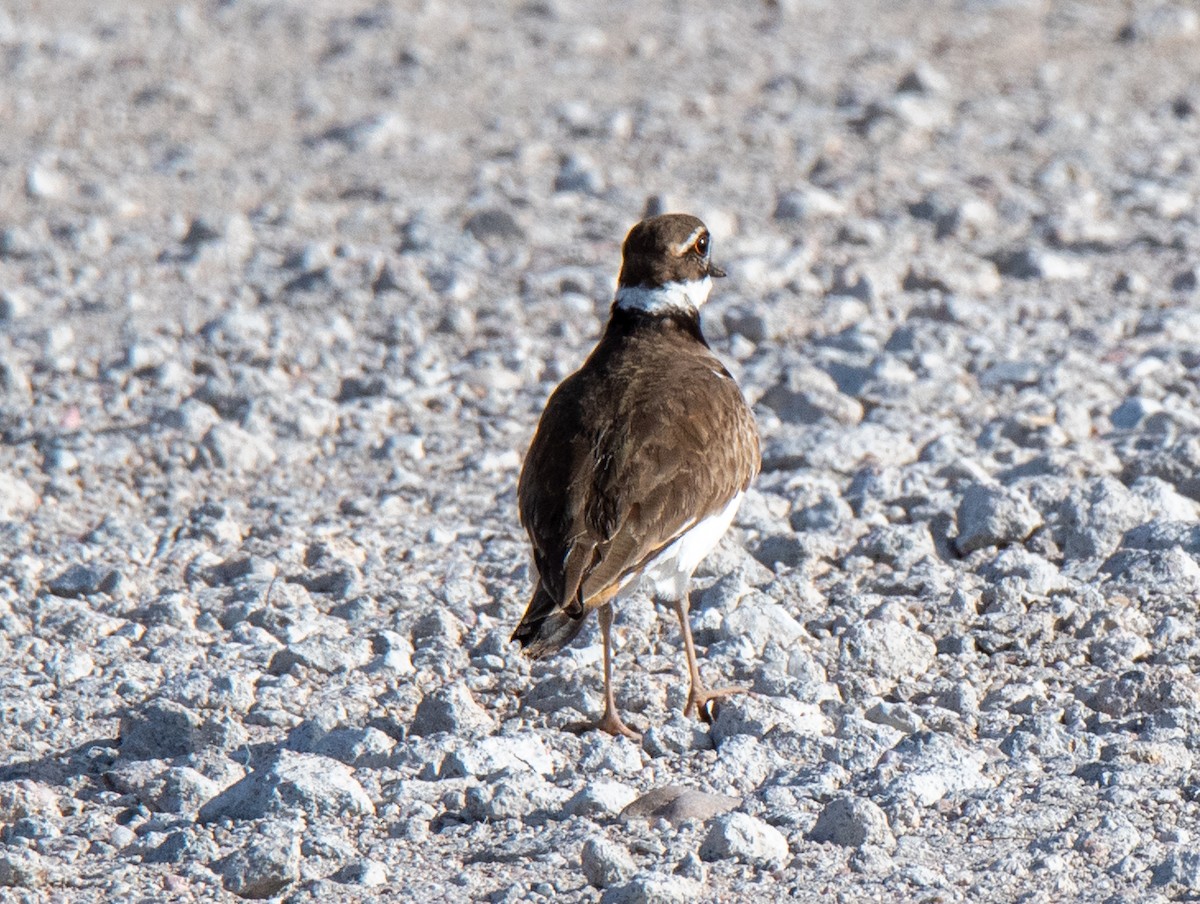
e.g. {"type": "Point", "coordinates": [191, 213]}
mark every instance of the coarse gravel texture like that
{"type": "Point", "coordinates": [283, 288]}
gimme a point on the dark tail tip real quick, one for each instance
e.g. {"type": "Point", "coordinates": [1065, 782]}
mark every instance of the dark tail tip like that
{"type": "Point", "coordinates": [545, 635]}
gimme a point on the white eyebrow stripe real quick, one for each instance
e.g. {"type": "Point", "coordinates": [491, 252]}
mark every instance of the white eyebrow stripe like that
{"type": "Point", "coordinates": [687, 243]}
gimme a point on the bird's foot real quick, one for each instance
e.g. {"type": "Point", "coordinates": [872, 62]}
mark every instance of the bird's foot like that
{"type": "Point", "coordinates": [611, 723]}
{"type": "Point", "coordinates": [700, 698]}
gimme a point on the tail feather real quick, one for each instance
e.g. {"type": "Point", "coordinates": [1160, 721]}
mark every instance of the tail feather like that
{"type": "Point", "coordinates": [546, 628]}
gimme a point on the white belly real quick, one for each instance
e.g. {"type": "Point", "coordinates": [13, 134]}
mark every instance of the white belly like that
{"type": "Point", "coordinates": [667, 578]}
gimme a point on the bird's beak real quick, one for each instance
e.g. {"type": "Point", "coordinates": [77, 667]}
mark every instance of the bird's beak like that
{"type": "Point", "coordinates": [715, 271]}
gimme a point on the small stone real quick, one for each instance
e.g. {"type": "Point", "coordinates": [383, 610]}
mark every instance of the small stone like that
{"type": "Point", "coordinates": [1010, 373]}
{"type": "Point", "coordinates": [184, 790]}
{"type": "Point", "coordinates": [365, 872]}
{"type": "Point", "coordinates": [758, 620]}
{"type": "Point", "coordinates": [603, 754]}
{"type": "Point", "coordinates": [679, 734]}
{"type": "Point", "coordinates": [852, 822]}
{"type": "Point", "coordinates": [264, 867]}
{"type": "Point", "coordinates": [1095, 515]}
{"type": "Point", "coordinates": [923, 79]}
{"type": "Point", "coordinates": [1119, 649]}
{"type": "Point", "coordinates": [755, 715]}
{"type": "Point", "coordinates": [677, 804]}
{"type": "Point", "coordinates": [749, 323]}
{"type": "Point", "coordinates": [993, 516]}
{"type": "Point", "coordinates": [317, 785]}
{"type": "Point", "coordinates": [451, 709]}
{"type": "Point", "coordinates": [889, 650]}
{"type": "Point", "coordinates": [161, 729]}
{"type": "Point", "coordinates": [327, 655]}
{"type": "Point", "coordinates": [177, 789]}
{"type": "Point", "coordinates": [228, 447]}
{"type": "Point", "coordinates": [1131, 283]}
{"type": "Point", "coordinates": [806, 203]}
{"type": "Point", "coordinates": [654, 888]}
{"type": "Point", "coordinates": [927, 766]}
{"type": "Point", "coordinates": [489, 756]}
{"type": "Point", "coordinates": [513, 797]}
{"type": "Point", "coordinates": [1186, 280]}
{"type": "Point", "coordinates": [1162, 22]}
{"type": "Point", "coordinates": [1179, 868]}
{"type": "Point", "coordinates": [1130, 413]}
{"type": "Point", "coordinates": [439, 627]}
{"type": "Point", "coordinates": [1036, 263]}
{"type": "Point", "coordinates": [44, 182]}
{"type": "Point", "coordinates": [79, 581]}
{"type": "Point", "coordinates": [494, 224]}
{"type": "Point", "coordinates": [360, 747]}
{"type": "Point", "coordinates": [183, 845]}
{"type": "Point", "coordinates": [602, 797]}
{"type": "Point", "coordinates": [25, 798]}
{"type": "Point", "coordinates": [744, 837]}
{"type": "Point", "coordinates": [579, 174]}
{"type": "Point", "coordinates": [808, 395]}
{"type": "Point", "coordinates": [21, 868]}
{"type": "Point", "coordinates": [16, 497]}
{"type": "Point", "coordinates": [606, 863]}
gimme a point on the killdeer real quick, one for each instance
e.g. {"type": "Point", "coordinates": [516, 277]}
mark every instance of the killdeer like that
{"type": "Point", "coordinates": [640, 459]}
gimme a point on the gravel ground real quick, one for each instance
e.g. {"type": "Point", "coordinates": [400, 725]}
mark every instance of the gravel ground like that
{"type": "Point", "coordinates": [283, 288]}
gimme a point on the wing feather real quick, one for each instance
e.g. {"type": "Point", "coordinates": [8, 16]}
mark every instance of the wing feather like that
{"type": "Point", "coordinates": [672, 441]}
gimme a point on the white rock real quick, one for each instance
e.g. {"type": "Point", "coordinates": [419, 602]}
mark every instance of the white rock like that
{"type": "Point", "coordinates": [654, 888]}
{"type": "Point", "coordinates": [743, 837]}
{"type": "Point", "coordinates": [993, 516]}
{"type": "Point", "coordinates": [760, 620]}
{"type": "Point", "coordinates": [927, 767]}
{"type": "Point", "coordinates": [264, 867]}
{"type": "Point", "coordinates": [228, 446]}
{"type": "Point", "coordinates": [488, 756]}
{"type": "Point", "coordinates": [451, 708]}
{"type": "Point", "coordinates": [602, 797]}
{"type": "Point", "coordinates": [889, 650]}
{"type": "Point", "coordinates": [605, 863]}
{"type": "Point", "coordinates": [16, 497]}
{"type": "Point", "coordinates": [317, 785]}
{"type": "Point", "coordinates": [755, 715]}
{"type": "Point", "coordinates": [852, 822]}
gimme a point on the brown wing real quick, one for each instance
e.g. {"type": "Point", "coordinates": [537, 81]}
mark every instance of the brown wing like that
{"type": "Point", "coordinates": [550, 490]}
{"type": "Point", "coordinates": [672, 441]}
{"type": "Point", "coordinates": [697, 448]}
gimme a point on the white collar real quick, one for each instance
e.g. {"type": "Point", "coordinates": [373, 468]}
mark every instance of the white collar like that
{"type": "Point", "coordinates": [672, 296]}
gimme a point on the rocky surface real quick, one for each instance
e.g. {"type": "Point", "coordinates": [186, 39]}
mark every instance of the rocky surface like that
{"type": "Point", "coordinates": [283, 288]}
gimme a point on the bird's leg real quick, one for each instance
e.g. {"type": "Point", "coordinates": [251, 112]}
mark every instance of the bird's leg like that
{"type": "Point", "coordinates": [698, 696]}
{"type": "Point", "coordinates": [611, 721]}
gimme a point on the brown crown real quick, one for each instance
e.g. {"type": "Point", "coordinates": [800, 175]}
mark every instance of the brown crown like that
{"type": "Point", "coordinates": [672, 247]}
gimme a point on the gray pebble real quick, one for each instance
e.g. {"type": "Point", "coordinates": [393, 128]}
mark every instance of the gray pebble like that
{"type": "Point", "coordinates": [578, 173]}
{"type": "Point", "coordinates": [852, 822]}
{"type": "Point", "coordinates": [992, 516]}
{"type": "Point", "coordinates": [889, 650]}
{"type": "Point", "coordinates": [744, 837]}
{"type": "Point", "coordinates": [452, 709]}
{"type": "Point", "coordinates": [653, 888]}
{"type": "Point", "coordinates": [266, 866]}
{"type": "Point", "coordinates": [606, 863]}
{"type": "Point", "coordinates": [21, 868]}
{"type": "Point", "coordinates": [601, 798]}
{"type": "Point", "coordinates": [489, 756]}
{"type": "Point", "coordinates": [160, 729]}
{"type": "Point", "coordinates": [316, 785]}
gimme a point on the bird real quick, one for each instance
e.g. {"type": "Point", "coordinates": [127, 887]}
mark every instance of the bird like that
{"type": "Point", "coordinates": [639, 461]}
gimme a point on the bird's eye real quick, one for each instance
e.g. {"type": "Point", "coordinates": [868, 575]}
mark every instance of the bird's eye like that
{"type": "Point", "coordinates": [701, 245]}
